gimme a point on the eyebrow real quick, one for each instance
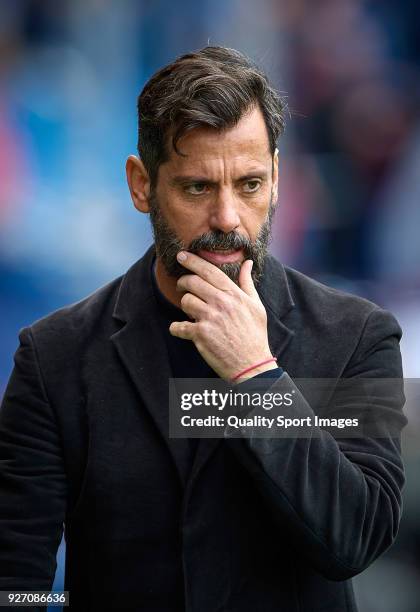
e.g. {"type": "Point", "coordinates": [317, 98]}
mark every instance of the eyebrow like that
{"type": "Point", "coordinates": [185, 179]}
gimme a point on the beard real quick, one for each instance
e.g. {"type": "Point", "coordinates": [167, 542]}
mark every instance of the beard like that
{"type": "Point", "coordinates": [168, 244]}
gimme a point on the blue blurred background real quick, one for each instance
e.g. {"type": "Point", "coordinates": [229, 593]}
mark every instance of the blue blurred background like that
{"type": "Point", "coordinates": [349, 206]}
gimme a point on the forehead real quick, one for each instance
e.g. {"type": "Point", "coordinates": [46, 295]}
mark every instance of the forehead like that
{"type": "Point", "coordinates": [206, 147]}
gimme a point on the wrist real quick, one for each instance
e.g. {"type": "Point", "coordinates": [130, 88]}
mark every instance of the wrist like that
{"type": "Point", "coordinates": [270, 363]}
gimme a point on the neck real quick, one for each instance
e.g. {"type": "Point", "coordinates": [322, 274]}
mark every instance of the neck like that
{"type": "Point", "coordinates": [167, 284]}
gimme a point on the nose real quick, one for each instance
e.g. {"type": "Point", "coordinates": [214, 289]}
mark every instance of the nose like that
{"type": "Point", "coordinates": [224, 213]}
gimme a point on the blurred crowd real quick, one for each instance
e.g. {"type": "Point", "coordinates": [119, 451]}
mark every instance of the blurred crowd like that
{"type": "Point", "coordinates": [349, 205]}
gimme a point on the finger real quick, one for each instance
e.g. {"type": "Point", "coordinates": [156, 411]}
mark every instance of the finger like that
{"type": "Point", "coordinates": [206, 270]}
{"type": "Point", "coordinates": [194, 284]}
{"type": "Point", "coordinates": [246, 282]}
{"type": "Point", "coordinates": [193, 306]}
{"type": "Point", "coordinates": [182, 329]}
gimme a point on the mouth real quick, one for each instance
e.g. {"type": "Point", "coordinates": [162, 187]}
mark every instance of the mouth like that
{"type": "Point", "coordinates": [222, 256]}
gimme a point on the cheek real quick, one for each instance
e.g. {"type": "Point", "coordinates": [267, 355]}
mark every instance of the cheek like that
{"type": "Point", "coordinates": [253, 217]}
{"type": "Point", "coordinates": [186, 223]}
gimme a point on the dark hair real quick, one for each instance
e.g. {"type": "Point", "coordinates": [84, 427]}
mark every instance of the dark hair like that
{"type": "Point", "coordinates": [212, 87]}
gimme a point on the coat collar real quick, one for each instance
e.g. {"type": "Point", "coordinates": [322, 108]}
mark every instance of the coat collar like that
{"type": "Point", "coordinates": [136, 288]}
{"type": "Point", "coordinates": [142, 349]}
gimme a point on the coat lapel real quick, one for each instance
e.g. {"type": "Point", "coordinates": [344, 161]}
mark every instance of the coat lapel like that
{"type": "Point", "coordinates": [276, 296]}
{"type": "Point", "coordinates": [142, 350]}
{"type": "Point", "coordinates": [141, 347]}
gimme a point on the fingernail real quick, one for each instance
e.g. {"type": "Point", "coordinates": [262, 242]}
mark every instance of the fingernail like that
{"type": "Point", "coordinates": [181, 256]}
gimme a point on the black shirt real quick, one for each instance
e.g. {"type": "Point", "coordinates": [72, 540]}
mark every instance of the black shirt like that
{"type": "Point", "coordinates": [184, 359]}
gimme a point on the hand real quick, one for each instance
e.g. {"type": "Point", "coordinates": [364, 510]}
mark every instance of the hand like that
{"type": "Point", "coordinates": [230, 321]}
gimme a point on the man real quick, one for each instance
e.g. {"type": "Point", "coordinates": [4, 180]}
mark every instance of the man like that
{"type": "Point", "coordinates": [158, 523]}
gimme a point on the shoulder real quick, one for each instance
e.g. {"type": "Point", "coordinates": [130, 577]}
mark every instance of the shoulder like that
{"type": "Point", "coordinates": [77, 320]}
{"type": "Point", "coordinates": [341, 329]}
{"type": "Point", "coordinates": [334, 311]}
{"type": "Point", "coordinates": [310, 293]}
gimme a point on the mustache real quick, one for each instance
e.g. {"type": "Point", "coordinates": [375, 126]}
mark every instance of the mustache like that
{"type": "Point", "coordinates": [218, 240]}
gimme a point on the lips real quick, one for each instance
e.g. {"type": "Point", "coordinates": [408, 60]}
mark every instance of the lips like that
{"type": "Point", "coordinates": [222, 256]}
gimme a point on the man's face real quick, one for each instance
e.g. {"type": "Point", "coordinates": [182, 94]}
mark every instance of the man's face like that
{"type": "Point", "coordinates": [218, 198]}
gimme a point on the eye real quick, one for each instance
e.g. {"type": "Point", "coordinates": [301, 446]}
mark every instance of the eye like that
{"type": "Point", "coordinates": [252, 186]}
{"type": "Point", "coordinates": [196, 188]}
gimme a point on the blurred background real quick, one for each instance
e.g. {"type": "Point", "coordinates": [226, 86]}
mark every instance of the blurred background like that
{"type": "Point", "coordinates": [349, 206]}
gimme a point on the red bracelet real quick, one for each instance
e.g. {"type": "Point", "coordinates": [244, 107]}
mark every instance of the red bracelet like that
{"type": "Point", "coordinates": [256, 365]}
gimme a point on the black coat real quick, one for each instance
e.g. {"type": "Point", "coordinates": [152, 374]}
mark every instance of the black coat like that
{"type": "Point", "coordinates": [84, 441]}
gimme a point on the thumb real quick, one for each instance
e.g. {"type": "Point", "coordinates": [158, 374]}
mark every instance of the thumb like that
{"type": "Point", "coordinates": [246, 282]}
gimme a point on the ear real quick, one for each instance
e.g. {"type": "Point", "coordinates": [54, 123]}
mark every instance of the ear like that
{"type": "Point", "coordinates": [275, 187]}
{"type": "Point", "coordinates": [138, 183]}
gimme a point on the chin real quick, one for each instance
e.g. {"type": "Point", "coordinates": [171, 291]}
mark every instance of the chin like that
{"type": "Point", "coordinates": [231, 270]}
